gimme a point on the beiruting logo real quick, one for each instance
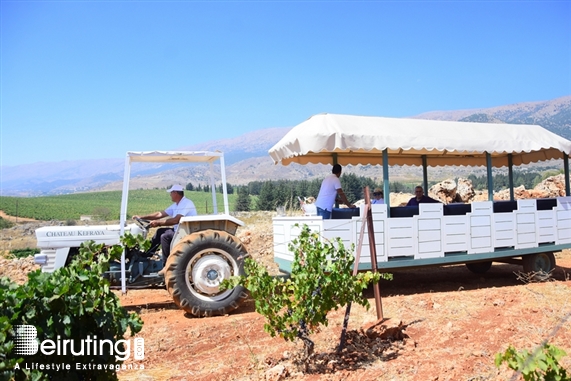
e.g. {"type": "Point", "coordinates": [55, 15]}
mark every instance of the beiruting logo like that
{"type": "Point", "coordinates": [26, 343]}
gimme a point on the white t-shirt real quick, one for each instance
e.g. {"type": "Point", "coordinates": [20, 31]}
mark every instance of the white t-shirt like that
{"type": "Point", "coordinates": [328, 192]}
{"type": "Point", "coordinates": [184, 207]}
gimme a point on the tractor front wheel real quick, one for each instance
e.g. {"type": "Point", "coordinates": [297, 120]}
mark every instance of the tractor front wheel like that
{"type": "Point", "coordinates": [197, 266]}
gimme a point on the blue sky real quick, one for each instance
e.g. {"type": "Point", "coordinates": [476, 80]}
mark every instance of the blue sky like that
{"type": "Point", "coordinates": [94, 79]}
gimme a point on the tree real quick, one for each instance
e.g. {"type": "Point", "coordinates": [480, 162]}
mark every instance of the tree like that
{"type": "Point", "coordinates": [244, 201]}
{"type": "Point", "coordinates": [189, 187]}
{"type": "Point", "coordinates": [313, 188]}
{"type": "Point", "coordinates": [321, 281]}
{"type": "Point", "coordinates": [229, 188]}
{"type": "Point", "coordinates": [352, 188]}
{"type": "Point", "coordinates": [266, 199]}
{"type": "Point", "coordinates": [255, 187]}
{"type": "Point", "coordinates": [284, 193]}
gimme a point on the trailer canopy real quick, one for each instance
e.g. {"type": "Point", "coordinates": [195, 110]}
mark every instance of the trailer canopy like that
{"type": "Point", "coordinates": [349, 139]}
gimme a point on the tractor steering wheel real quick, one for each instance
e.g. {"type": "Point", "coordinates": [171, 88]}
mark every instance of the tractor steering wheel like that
{"type": "Point", "coordinates": [143, 224]}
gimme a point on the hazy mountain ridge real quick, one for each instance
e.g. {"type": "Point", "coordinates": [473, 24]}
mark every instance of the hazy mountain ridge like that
{"type": "Point", "coordinates": [247, 159]}
{"type": "Point", "coordinates": [554, 115]}
{"type": "Point", "coordinates": [254, 143]}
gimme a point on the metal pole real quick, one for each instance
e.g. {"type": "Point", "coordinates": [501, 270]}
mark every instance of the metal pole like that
{"type": "Point", "coordinates": [511, 176]}
{"type": "Point", "coordinates": [425, 174]}
{"type": "Point", "coordinates": [334, 157]}
{"type": "Point", "coordinates": [386, 185]}
{"type": "Point", "coordinates": [566, 170]}
{"type": "Point", "coordinates": [123, 217]}
{"type": "Point", "coordinates": [224, 188]}
{"type": "Point", "coordinates": [213, 189]}
{"type": "Point", "coordinates": [490, 179]}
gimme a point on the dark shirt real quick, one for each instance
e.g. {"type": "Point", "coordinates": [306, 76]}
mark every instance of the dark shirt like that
{"type": "Point", "coordinates": [424, 199]}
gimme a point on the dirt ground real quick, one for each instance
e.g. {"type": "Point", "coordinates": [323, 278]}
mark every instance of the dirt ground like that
{"type": "Point", "coordinates": [452, 324]}
{"type": "Point", "coordinates": [455, 322]}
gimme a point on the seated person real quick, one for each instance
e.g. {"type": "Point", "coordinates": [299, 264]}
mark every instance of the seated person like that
{"type": "Point", "coordinates": [308, 206]}
{"type": "Point", "coordinates": [378, 197]}
{"type": "Point", "coordinates": [420, 198]}
{"type": "Point", "coordinates": [181, 207]}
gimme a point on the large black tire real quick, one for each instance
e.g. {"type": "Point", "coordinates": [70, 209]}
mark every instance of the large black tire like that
{"type": "Point", "coordinates": [479, 267]}
{"type": "Point", "coordinates": [539, 264]}
{"type": "Point", "coordinates": [197, 266]}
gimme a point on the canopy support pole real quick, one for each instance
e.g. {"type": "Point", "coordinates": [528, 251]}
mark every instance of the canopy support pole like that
{"type": "Point", "coordinates": [386, 187]}
{"type": "Point", "coordinates": [213, 189]}
{"type": "Point", "coordinates": [334, 157]}
{"type": "Point", "coordinates": [123, 217]}
{"type": "Point", "coordinates": [424, 174]}
{"type": "Point", "coordinates": [566, 169]}
{"type": "Point", "coordinates": [224, 187]}
{"type": "Point", "coordinates": [511, 176]}
{"type": "Point", "coordinates": [490, 178]}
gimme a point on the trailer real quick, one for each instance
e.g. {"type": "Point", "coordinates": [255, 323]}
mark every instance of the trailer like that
{"type": "Point", "coordinates": [514, 231]}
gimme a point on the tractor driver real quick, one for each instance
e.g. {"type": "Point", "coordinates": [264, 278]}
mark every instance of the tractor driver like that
{"type": "Point", "coordinates": [181, 207]}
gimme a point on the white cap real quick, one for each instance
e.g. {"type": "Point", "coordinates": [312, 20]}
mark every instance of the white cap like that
{"type": "Point", "coordinates": [176, 187]}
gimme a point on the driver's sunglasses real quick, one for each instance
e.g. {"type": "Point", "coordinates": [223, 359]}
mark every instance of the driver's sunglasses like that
{"type": "Point", "coordinates": [376, 193]}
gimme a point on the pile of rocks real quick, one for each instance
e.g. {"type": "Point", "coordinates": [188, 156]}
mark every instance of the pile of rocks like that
{"type": "Point", "coordinates": [17, 269]}
{"type": "Point", "coordinates": [448, 191]}
{"type": "Point", "coordinates": [553, 186]}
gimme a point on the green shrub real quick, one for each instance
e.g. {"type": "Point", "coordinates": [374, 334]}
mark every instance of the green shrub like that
{"type": "Point", "coordinates": [74, 302]}
{"type": "Point", "coordinates": [5, 224]}
{"type": "Point", "coordinates": [23, 253]}
{"type": "Point", "coordinates": [543, 364]}
{"type": "Point", "coordinates": [321, 280]}
{"type": "Point", "coordinates": [7, 303]}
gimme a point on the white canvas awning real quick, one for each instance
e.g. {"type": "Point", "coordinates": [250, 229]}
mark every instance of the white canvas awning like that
{"type": "Point", "coordinates": [361, 140]}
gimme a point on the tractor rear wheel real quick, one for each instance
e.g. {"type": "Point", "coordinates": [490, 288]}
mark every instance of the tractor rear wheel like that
{"type": "Point", "coordinates": [197, 266]}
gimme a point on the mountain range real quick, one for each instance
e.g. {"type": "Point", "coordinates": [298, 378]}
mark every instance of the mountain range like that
{"type": "Point", "coordinates": [247, 158]}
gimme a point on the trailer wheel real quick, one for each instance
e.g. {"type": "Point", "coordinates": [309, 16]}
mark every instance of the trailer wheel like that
{"type": "Point", "coordinates": [539, 264]}
{"type": "Point", "coordinates": [479, 267]}
{"type": "Point", "coordinates": [197, 266]}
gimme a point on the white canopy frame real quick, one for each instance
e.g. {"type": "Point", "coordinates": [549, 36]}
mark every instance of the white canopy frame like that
{"type": "Point", "coordinates": [170, 157]}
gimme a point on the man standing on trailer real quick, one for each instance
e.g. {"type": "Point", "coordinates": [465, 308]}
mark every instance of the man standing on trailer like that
{"type": "Point", "coordinates": [181, 207]}
{"type": "Point", "coordinates": [329, 191]}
